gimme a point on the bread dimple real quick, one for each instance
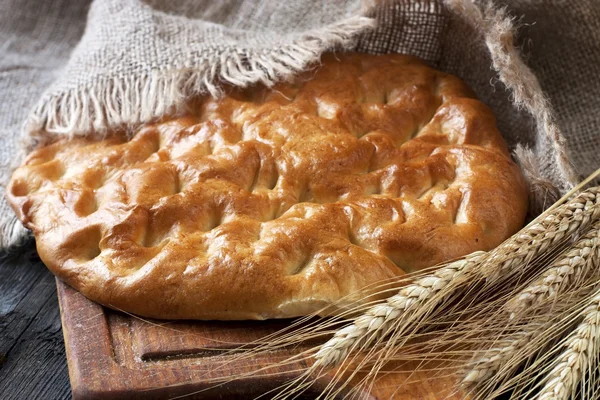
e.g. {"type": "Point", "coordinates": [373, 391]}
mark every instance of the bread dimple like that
{"type": "Point", "coordinates": [272, 203]}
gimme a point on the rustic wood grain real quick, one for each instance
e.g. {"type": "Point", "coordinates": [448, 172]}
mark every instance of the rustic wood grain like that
{"type": "Point", "coordinates": [114, 355]}
{"type": "Point", "coordinates": [32, 355]}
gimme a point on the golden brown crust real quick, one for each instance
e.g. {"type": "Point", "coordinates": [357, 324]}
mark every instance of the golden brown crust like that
{"type": "Point", "coordinates": [274, 203]}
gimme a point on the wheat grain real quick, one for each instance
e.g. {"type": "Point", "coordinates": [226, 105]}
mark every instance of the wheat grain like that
{"type": "Point", "coordinates": [582, 346]}
{"type": "Point", "coordinates": [579, 261]}
{"type": "Point", "coordinates": [491, 360]}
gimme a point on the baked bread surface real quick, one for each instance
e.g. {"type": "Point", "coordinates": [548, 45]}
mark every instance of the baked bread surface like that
{"type": "Point", "coordinates": [273, 203]}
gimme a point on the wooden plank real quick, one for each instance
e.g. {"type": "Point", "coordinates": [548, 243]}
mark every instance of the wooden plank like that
{"type": "Point", "coordinates": [113, 355]}
{"type": "Point", "coordinates": [210, 337]}
{"type": "Point", "coordinates": [103, 362]}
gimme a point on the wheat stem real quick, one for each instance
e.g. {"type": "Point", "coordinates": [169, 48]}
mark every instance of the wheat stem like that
{"type": "Point", "coordinates": [581, 346]}
{"type": "Point", "coordinates": [579, 261]}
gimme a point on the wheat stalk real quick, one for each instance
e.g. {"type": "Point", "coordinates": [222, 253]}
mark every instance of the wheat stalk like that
{"type": "Point", "coordinates": [581, 346]}
{"type": "Point", "coordinates": [515, 359]}
{"type": "Point", "coordinates": [519, 341]}
{"type": "Point", "coordinates": [379, 319]}
{"type": "Point", "coordinates": [546, 231]}
{"type": "Point", "coordinates": [562, 274]}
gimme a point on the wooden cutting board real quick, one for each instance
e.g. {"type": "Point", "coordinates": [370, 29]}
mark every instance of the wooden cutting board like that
{"type": "Point", "coordinates": [112, 356]}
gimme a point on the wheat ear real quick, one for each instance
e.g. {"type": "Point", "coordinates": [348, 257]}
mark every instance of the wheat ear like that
{"type": "Point", "coordinates": [578, 262]}
{"type": "Point", "coordinates": [490, 361]}
{"type": "Point", "coordinates": [581, 346]}
{"type": "Point", "coordinates": [379, 318]}
{"type": "Point", "coordinates": [545, 232]}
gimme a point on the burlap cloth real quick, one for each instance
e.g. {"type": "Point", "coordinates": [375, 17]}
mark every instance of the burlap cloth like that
{"type": "Point", "coordinates": [123, 62]}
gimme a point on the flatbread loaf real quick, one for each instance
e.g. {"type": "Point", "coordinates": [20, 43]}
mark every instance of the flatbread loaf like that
{"type": "Point", "coordinates": [273, 203]}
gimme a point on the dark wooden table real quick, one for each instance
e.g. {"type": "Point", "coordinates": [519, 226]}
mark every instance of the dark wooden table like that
{"type": "Point", "coordinates": [32, 352]}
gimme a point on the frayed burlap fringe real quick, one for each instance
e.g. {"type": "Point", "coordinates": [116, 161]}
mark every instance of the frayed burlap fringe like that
{"type": "Point", "coordinates": [132, 100]}
{"type": "Point", "coordinates": [542, 192]}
